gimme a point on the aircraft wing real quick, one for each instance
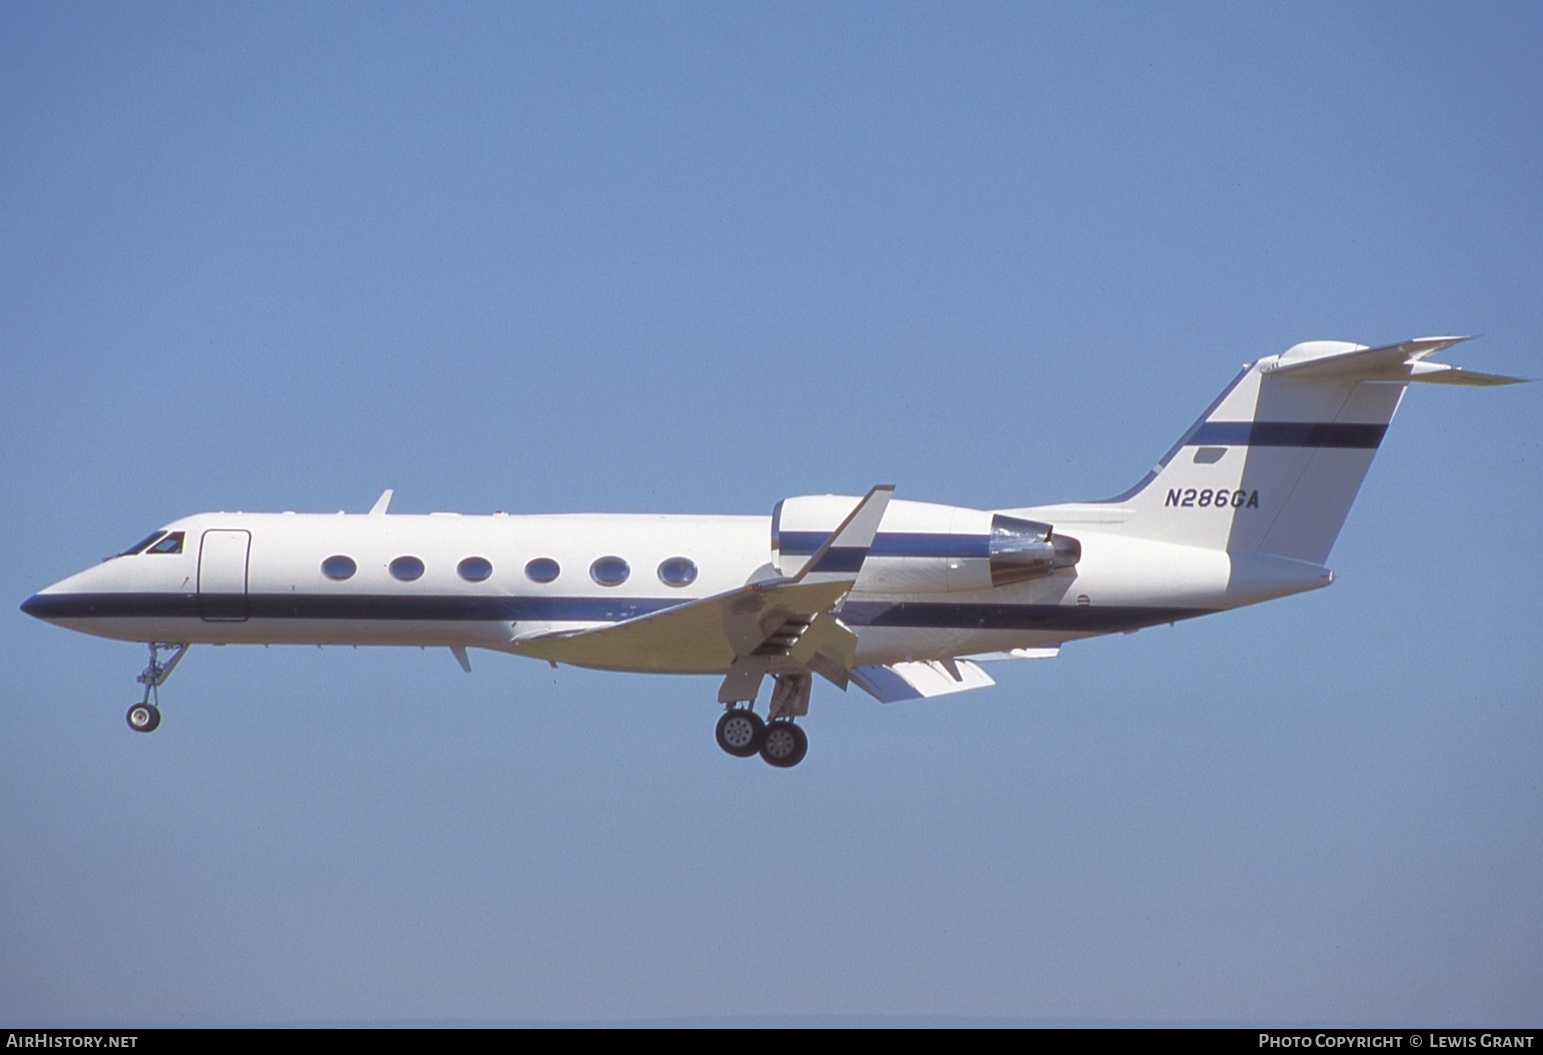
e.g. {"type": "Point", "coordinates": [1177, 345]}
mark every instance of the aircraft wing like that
{"type": "Point", "coordinates": [776, 626]}
{"type": "Point", "coordinates": [699, 637]}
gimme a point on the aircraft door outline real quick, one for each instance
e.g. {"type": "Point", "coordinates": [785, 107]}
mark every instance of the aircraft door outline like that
{"type": "Point", "coordinates": [222, 575]}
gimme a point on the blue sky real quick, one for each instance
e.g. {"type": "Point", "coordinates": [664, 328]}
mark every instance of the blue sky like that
{"type": "Point", "coordinates": [699, 258]}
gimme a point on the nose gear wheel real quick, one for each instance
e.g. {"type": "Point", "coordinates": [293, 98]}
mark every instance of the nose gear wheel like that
{"type": "Point", "coordinates": [144, 717]}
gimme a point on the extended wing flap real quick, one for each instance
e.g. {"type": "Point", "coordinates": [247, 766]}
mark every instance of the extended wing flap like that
{"type": "Point", "coordinates": [917, 680]}
{"type": "Point", "coordinates": [828, 648]}
{"type": "Point", "coordinates": [1049, 652]}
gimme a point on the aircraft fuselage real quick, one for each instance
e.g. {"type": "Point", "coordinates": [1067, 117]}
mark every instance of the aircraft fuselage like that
{"type": "Point", "coordinates": [253, 578]}
{"type": "Point", "coordinates": [904, 598]}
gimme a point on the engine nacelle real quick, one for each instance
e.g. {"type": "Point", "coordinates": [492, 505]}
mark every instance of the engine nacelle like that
{"type": "Point", "coordinates": [925, 548]}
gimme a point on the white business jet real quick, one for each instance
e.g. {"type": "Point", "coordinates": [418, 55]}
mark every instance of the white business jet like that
{"type": "Point", "coordinates": [905, 599]}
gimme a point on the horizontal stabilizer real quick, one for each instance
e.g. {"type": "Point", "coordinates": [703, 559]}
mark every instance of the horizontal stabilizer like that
{"type": "Point", "coordinates": [1403, 362]}
{"type": "Point", "coordinates": [1447, 374]}
{"type": "Point", "coordinates": [918, 680]}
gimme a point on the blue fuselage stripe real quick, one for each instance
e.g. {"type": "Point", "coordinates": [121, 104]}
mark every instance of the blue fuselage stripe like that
{"type": "Point", "coordinates": [398, 608]}
{"type": "Point", "coordinates": [365, 607]}
{"type": "Point", "coordinates": [842, 559]}
{"type": "Point", "coordinates": [893, 544]}
{"type": "Point", "coordinates": [1287, 434]}
{"type": "Point", "coordinates": [945, 615]}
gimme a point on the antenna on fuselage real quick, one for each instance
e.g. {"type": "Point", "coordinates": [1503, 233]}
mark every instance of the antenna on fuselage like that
{"type": "Point", "coordinates": [379, 508]}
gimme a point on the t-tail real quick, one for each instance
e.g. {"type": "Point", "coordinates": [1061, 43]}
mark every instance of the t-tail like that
{"type": "Point", "coordinates": [1274, 464]}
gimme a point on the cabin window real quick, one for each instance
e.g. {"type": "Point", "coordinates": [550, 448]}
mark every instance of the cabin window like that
{"type": "Point", "coordinates": [542, 569]}
{"type": "Point", "coordinates": [172, 543]}
{"type": "Point", "coordinates": [678, 571]}
{"type": "Point", "coordinates": [407, 569]}
{"type": "Point", "coordinates": [610, 571]}
{"type": "Point", "coordinates": [142, 545]}
{"type": "Point", "coordinates": [338, 567]}
{"type": "Point", "coordinates": [474, 569]}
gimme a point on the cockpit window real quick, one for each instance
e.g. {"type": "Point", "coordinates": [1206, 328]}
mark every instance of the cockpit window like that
{"type": "Point", "coordinates": [172, 543]}
{"type": "Point", "coordinates": [142, 544]}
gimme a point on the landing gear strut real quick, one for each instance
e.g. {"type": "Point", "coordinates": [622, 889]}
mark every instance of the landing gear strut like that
{"type": "Point", "coordinates": [145, 716]}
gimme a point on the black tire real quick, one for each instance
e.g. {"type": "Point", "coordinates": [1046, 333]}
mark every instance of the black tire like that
{"type": "Point", "coordinates": [740, 732]}
{"type": "Point", "coordinates": [144, 717]}
{"type": "Point", "coordinates": [784, 745]}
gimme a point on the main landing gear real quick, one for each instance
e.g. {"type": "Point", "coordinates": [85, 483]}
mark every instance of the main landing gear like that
{"type": "Point", "coordinates": [145, 716]}
{"type": "Point", "coordinates": [742, 733]}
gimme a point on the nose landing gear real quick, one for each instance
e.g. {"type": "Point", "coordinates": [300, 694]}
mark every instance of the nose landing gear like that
{"type": "Point", "coordinates": [145, 716]}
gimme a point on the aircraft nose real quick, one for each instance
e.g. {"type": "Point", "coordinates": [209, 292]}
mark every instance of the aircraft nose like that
{"type": "Point", "coordinates": [78, 596]}
{"type": "Point", "coordinates": [36, 606]}
{"type": "Point", "coordinates": [49, 603]}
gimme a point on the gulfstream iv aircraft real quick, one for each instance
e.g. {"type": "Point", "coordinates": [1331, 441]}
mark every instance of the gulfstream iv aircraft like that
{"type": "Point", "coordinates": [904, 599]}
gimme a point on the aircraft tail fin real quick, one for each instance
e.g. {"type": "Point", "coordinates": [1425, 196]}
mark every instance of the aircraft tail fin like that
{"type": "Point", "coordinates": [1275, 462]}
